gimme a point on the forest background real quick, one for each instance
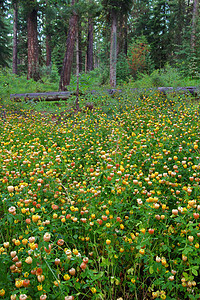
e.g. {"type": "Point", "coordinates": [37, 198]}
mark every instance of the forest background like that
{"type": "Point", "coordinates": [143, 43]}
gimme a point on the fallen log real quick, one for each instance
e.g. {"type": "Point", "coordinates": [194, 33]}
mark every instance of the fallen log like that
{"type": "Point", "coordinates": [49, 96]}
{"type": "Point", "coordinates": [56, 96]}
{"type": "Point", "coordinates": [190, 90]}
{"type": "Point", "coordinates": [193, 90]}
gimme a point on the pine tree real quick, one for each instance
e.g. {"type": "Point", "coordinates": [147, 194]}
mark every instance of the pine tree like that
{"type": "Point", "coordinates": [90, 61]}
{"type": "Point", "coordinates": [67, 63]}
{"type": "Point", "coordinates": [113, 8]}
{"type": "Point", "coordinates": [48, 36]}
{"type": "Point", "coordinates": [33, 47]}
{"type": "Point", "coordinates": [15, 23]}
{"type": "Point", "coordinates": [5, 52]}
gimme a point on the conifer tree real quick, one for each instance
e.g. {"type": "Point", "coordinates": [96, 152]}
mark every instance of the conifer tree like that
{"type": "Point", "coordinates": [113, 8]}
{"type": "Point", "coordinates": [70, 43]}
{"type": "Point", "coordinates": [4, 38]}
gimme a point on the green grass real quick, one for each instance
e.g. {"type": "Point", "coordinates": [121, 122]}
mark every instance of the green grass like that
{"type": "Point", "coordinates": [12, 84]}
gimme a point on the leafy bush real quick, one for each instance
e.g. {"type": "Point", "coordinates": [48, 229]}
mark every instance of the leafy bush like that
{"type": "Point", "coordinates": [138, 56]}
{"type": "Point", "coordinates": [165, 77]}
{"type": "Point", "coordinates": [49, 74]}
{"type": "Point", "coordinates": [87, 81]}
{"type": "Point", "coordinates": [123, 71]}
{"type": "Point", "coordinates": [156, 79]}
{"type": "Point", "coordinates": [13, 84]}
{"type": "Point", "coordinates": [104, 75]}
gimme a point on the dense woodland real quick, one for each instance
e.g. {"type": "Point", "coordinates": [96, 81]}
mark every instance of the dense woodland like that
{"type": "Point", "coordinates": [121, 38]}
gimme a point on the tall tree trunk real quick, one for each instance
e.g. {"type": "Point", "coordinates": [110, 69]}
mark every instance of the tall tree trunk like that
{"type": "Point", "coordinates": [90, 59]}
{"type": "Point", "coordinates": [195, 15]}
{"type": "Point", "coordinates": [48, 40]}
{"type": "Point", "coordinates": [67, 63]}
{"type": "Point", "coordinates": [125, 35]}
{"type": "Point", "coordinates": [113, 49]}
{"type": "Point", "coordinates": [77, 68]}
{"type": "Point", "coordinates": [119, 38]}
{"type": "Point", "coordinates": [15, 20]}
{"type": "Point", "coordinates": [33, 51]}
{"type": "Point", "coordinates": [122, 36]}
{"type": "Point", "coordinates": [86, 63]}
{"type": "Point", "coordinates": [180, 22]}
{"type": "Point", "coordinates": [80, 47]}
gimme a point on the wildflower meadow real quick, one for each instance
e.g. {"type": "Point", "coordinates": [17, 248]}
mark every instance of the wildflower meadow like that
{"type": "Point", "coordinates": [96, 205]}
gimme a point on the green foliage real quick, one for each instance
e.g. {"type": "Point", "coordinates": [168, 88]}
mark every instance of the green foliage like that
{"type": "Point", "coordinates": [157, 80]}
{"type": "Point", "coordinates": [87, 81]}
{"type": "Point", "coordinates": [5, 51]}
{"type": "Point", "coordinates": [188, 62]}
{"type": "Point", "coordinates": [58, 55]}
{"type": "Point", "coordinates": [54, 75]}
{"type": "Point", "coordinates": [165, 77]}
{"type": "Point", "coordinates": [12, 84]}
{"type": "Point", "coordinates": [49, 74]}
{"type": "Point", "coordinates": [104, 75]}
{"type": "Point", "coordinates": [95, 82]}
{"type": "Point", "coordinates": [123, 71]}
{"type": "Point", "coordinates": [29, 5]}
{"type": "Point", "coordinates": [138, 56]}
{"type": "Point", "coordinates": [123, 6]}
{"type": "Point", "coordinates": [165, 25]}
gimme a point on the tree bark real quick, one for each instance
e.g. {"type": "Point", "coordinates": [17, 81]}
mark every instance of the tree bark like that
{"type": "Point", "coordinates": [80, 46]}
{"type": "Point", "coordinates": [113, 49]}
{"type": "Point", "coordinates": [195, 15]}
{"type": "Point", "coordinates": [180, 20]}
{"type": "Point", "coordinates": [77, 69]}
{"type": "Point", "coordinates": [15, 20]}
{"type": "Point", "coordinates": [33, 51]}
{"type": "Point", "coordinates": [67, 63]}
{"type": "Point", "coordinates": [122, 44]}
{"type": "Point", "coordinates": [48, 40]}
{"type": "Point", "coordinates": [90, 59]}
{"type": "Point", "coordinates": [125, 36]}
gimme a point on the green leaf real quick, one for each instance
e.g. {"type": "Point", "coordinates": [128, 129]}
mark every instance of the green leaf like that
{"type": "Point", "coordinates": [151, 270]}
{"type": "Point", "coordinates": [194, 272]}
{"type": "Point", "coordinates": [19, 217]}
{"type": "Point", "coordinates": [185, 275]}
{"type": "Point", "coordinates": [10, 219]}
{"type": "Point", "coordinates": [98, 276]}
{"type": "Point", "coordinates": [187, 250]}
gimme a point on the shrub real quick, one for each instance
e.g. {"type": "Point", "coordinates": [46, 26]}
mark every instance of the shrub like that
{"type": "Point", "coordinates": [123, 71]}
{"type": "Point", "coordinates": [138, 56]}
